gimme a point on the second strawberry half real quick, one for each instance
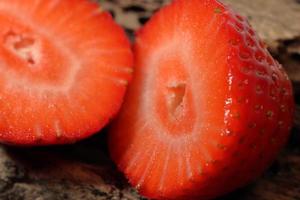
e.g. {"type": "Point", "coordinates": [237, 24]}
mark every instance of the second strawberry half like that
{"type": "Point", "coordinates": [64, 70]}
{"type": "Point", "coordinates": [208, 109]}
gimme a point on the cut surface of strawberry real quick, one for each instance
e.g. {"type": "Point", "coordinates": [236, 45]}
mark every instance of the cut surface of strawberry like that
{"type": "Point", "coordinates": [64, 70]}
{"type": "Point", "coordinates": [208, 108]}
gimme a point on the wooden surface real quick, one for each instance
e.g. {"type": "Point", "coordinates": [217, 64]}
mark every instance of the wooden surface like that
{"type": "Point", "coordinates": [84, 171]}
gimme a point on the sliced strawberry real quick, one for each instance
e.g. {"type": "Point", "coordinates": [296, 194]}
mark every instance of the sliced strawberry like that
{"type": "Point", "coordinates": [208, 108]}
{"type": "Point", "coordinates": [64, 70]}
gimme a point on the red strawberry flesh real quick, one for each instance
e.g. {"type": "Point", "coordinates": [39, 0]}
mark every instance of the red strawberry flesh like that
{"type": "Point", "coordinates": [208, 109]}
{"type": "Point", "coordinates": [64, 69]}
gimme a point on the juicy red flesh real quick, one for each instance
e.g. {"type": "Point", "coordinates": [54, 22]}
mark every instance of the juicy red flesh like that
{"type": "Point", "coordinates": [64, 69]}
{"type": "Point", "coordinates": [208, 108]}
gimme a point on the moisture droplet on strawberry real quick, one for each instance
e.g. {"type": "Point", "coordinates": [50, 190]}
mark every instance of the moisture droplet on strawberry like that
{"type": "Point", "coordinates": [208, 109]}
{"type": "Point", "coordinates": [64, 69]}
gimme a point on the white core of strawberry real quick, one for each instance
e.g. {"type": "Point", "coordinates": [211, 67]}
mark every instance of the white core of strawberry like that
{"type": "Point", "coordinates": [176, 93]}
{"type": "Point", "coordinates": [25, 47]}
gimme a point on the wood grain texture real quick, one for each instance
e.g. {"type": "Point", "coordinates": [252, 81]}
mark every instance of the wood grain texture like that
{"type": "Point", "coordinates": [274, 20]}
{"type": "Point", "coordinates": [84, 170]}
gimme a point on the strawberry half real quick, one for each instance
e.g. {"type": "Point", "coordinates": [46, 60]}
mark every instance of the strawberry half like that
{"type": "Point", "coordinates": [64, 68]}
{"type": "Point", "coordinates": [208, 109]}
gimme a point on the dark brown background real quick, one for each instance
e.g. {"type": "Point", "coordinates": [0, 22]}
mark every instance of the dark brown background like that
{"type": "Point", "coordinates": [84, 171]}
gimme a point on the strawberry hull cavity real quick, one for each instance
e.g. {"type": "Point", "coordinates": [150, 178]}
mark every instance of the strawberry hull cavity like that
{"type": "Point", "coordinates": [65, 66]}
{"type": "Point", "coordinates": [208, 108]}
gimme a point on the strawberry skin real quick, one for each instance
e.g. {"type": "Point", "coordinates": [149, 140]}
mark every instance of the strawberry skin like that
{"type": "Point", "coordinates": [64, 68]}
{"type": "Point", "coordinates": [208, 109]}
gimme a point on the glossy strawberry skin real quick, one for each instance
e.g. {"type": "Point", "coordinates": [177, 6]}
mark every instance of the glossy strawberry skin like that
{"type": "Point", "coordinates": [259, 107]}
{"type": "Point", "coordinates": [235, 105]}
